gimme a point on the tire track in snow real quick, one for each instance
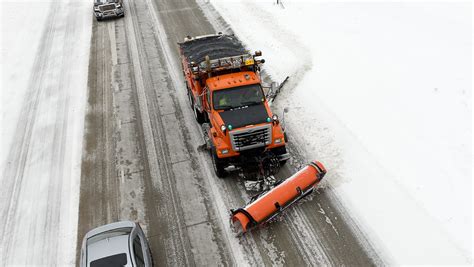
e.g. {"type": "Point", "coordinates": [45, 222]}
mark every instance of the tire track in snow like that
{"type": "Point", "coordinates": [112, 162]}
{"type": "Point", "coordinates": [236, 248]}
{"type": "Point", "coordinates": [248, 246]}
{"type": "Point", "coordinates": [160, 173]}
{"type": "Point", "coordinates": [59, 150]}
{"type": "Point", "coordinates": [19, 151]}
{"type": "Point", "coordinates": [37, 201]}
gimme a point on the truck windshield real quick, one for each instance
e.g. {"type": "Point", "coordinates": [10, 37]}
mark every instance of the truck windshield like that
{"type": "Point", "coordinates": [242, 96]}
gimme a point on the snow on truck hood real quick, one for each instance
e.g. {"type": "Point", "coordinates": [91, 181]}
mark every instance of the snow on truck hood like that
{"type": "Point", "coordinates": [244, 116]}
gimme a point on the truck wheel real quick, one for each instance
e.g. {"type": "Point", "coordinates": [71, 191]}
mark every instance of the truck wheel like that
{"type": "Point", "coordinates": [217, 164]}
{"type": "Point", "coordinates": [199, 116]}
{"type": "Point", "coordinates": [279, 151]}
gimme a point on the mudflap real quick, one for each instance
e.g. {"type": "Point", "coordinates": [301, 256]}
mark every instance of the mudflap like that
{"type": "Point", "coordinates": [206, 147]}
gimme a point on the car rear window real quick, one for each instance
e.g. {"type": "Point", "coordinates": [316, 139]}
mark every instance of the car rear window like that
{"type": "Point", "coordinates": [114, 260]}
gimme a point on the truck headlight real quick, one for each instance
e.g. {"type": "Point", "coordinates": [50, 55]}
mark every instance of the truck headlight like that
{"type": "Point", "coordinates": [223, 128]}
{"type": "Point", "coordinates": [277, 141]}
{"type": "Point", "coordinates": [224, 151]}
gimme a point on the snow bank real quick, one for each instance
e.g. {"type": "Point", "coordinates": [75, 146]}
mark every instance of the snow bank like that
{"type": "Point", "coordinates": [381, 93]}
{"type": "Point", "coordinates": [44, 63]}
{"type": "Point", "coordinates": [17, 60]}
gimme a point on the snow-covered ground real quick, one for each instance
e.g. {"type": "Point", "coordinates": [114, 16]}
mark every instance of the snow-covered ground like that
{"type": "Point", "coordinates": [44, 59]}
{"type": "Point", "coordinates": [382, 94]}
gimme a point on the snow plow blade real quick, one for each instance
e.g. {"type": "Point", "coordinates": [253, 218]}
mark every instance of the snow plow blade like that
{"type": "Point", "coordinates": [268, 205]}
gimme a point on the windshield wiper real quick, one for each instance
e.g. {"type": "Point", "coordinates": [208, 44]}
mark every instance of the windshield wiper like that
{"type": "Point", "coordinates": [250, 103]}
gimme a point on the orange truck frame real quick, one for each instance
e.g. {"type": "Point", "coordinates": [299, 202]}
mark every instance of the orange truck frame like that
{"type": "Point", "coordinates": [226, 95]}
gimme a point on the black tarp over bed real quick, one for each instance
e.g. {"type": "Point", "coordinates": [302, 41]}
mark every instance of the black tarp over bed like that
{"type": "Point", "coordinates": [218, 46]}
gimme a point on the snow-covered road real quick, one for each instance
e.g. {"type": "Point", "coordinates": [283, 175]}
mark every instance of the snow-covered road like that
{"type": "Point", "coordinates": [141, 160]}
{"type": "Point", "coordinates": [103, 105]}
{"type": "Point", "coordinates": [43, 93]}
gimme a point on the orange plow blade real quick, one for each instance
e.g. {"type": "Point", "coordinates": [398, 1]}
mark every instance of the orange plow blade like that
{"type": "Point", "coordinates": [266, 206]}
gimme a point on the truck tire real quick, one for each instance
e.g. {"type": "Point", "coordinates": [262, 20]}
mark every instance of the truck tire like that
{"type": "Point", "coordinates": [199, 116]}
{"type": "Point", "coordinates": [279, 151]}
{"type": "Point", "coordinates": [217, 164]}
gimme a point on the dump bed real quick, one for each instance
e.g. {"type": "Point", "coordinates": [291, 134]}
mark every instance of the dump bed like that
{"type": "Point", "coordinates": [215, 46]}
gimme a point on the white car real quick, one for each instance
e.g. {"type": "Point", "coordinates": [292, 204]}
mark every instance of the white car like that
{"type": "Point", "coordinates": [116, 244]}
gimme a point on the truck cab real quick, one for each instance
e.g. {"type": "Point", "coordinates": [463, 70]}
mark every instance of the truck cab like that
{"type": "Point", "coordinates": [238, 106]}
{"type": "Point", "coordinates": [225, 93]}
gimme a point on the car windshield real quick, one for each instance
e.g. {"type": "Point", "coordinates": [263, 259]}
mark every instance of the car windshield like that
{"type": "Point", "coordinates": [112, 261]}
{"type": "Point", "coordinates": [242, 96]}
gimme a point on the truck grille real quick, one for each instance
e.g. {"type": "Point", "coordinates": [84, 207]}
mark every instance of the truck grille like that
{"type": "Point", "coordinates": [244, 139]}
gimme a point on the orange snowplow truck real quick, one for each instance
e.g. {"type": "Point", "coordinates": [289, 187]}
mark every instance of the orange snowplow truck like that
{"type": "Point", "coordinates": [225, 92]}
